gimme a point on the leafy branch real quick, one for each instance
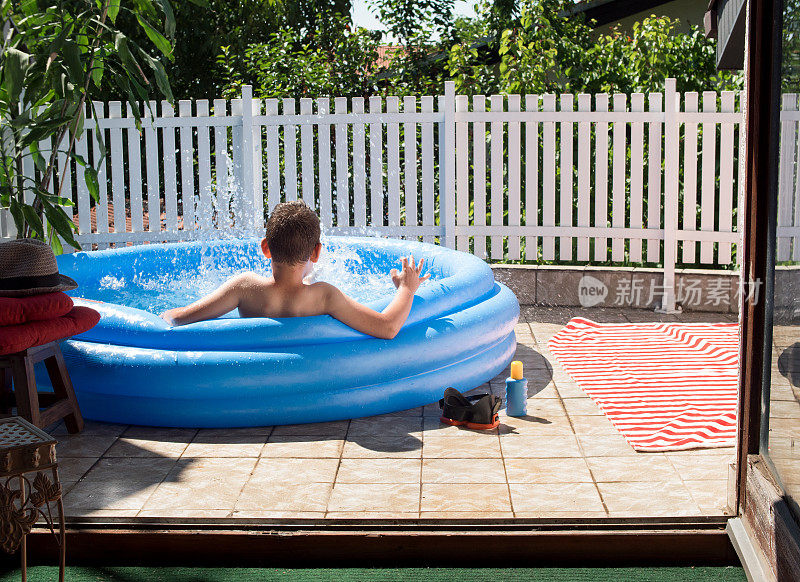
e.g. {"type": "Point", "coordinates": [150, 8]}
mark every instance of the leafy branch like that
{"type": "Point", "coordinates": [55, 55]}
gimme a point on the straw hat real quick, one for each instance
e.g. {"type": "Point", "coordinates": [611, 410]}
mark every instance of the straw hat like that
{"type": "Point", "coordinates": [28, 267]}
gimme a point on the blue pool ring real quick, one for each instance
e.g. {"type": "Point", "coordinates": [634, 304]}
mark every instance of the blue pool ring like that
{"type": "Point", "coordinates": [232, 372]}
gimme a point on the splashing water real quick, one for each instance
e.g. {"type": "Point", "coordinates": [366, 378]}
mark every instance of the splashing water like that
{"type": "Point", "coordinates": [354, 271]}
{"type": "Point", "coordinates": [343, 266]}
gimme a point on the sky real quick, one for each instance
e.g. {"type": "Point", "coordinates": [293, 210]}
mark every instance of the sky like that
{"type": "Point", "coordinates": [363, 16]}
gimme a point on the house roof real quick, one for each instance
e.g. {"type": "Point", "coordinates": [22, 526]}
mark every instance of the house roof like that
{"type": "Point", "coordinates": [386, 53]}
{"type": "Point", "coordinates": [608, 11]}
{"type": "Point", "coordinates": [725, 20]}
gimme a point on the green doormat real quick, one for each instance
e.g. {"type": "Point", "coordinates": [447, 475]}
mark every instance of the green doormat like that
{"type": "Point", "coordinates": [127, 574]}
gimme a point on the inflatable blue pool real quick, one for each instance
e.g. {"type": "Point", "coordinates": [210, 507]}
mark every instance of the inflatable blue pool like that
{"type": "Point", "coordinates": [233, 372]}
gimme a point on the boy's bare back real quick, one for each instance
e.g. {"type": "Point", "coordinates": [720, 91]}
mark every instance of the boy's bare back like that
{"type": "Point", "coordinates": [261, 297]}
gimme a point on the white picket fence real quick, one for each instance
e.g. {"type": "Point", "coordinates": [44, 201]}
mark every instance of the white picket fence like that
{"type": "Point", "coordinates": [619, 179]}
{"type": "Point", "coordinates": [788, 224]}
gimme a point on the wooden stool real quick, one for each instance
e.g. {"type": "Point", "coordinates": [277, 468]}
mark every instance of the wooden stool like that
{"type": "Point", "coordinates": [17, 369]}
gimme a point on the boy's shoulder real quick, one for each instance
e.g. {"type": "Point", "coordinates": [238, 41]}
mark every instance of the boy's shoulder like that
{"type": "Point", "coordinates": [322, 287]}
{"type": "Point", "coordinates": [251, 279]}
{"type": "Point", "coordinates": [324, 291]}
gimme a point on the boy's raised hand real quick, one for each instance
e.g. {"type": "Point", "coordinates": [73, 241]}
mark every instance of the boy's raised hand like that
{"type": "Point", "coordinates": [408, 276]}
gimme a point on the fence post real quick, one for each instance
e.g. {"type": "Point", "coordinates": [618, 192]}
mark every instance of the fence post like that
{"type": "Point", "coordinates": [248, 189]}
{"type": "Point", "coordinates": [671, 157]}
{"type": "Point", "coordinates": [447, 218]}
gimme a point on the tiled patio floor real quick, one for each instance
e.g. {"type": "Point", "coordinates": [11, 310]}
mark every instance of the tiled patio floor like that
{"type": "Point", "coordinates": [784, 406]}
{"type": "Point", "coordinates": [564, 460]}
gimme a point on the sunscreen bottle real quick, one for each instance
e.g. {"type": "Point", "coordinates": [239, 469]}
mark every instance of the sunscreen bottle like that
{"type": "Point", "coordinates": [516, 391]}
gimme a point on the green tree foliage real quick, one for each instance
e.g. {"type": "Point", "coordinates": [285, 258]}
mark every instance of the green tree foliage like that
{"type": "Point", "coordinates": [55, 56]}
{"type": "Point", "coordinates": [230, 27]}
{"type": "Point", "coordinates": [202, 32]}
{"type": "Point", "coordinates": [334, 60]}
{"type": "Point", "coordinates": [549, 50]}
{"type": "Point", "coordinates": [790, 64]}
{"type": "Point", "coordinates": [408, 20]}
{"type": "Point", "coordinates": [530, 46]}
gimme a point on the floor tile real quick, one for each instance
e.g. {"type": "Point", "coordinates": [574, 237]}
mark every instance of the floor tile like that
{"type": "Point", "coordinates": [377, 447]}
{"type": "Point", "coordinates": [234, 433]}
{"type": "Point", "coordinates": [432, 409]}
{"type": "Point", "coordinates": [409, 412]}
{"type": "Point", "coordinates": [98, 514]}
{"type": "Point", "coordinates": [784, 409]}
{"type": "Point", "coordinates": [582, 407]}
{"type": "Point", "coordinates": [605, 446]}
{"type": "Point", "coordinates": [299, 446]}
{"type": "Point", "coordinates": [370, 515]}
{"type": "Point", "coordinates": [203, 494]}
{"type": "Point", "coordinates": [541, 407]}
{"type": "Point", "coordinates": [392, 497]}
{"type": "Point", "coordinates": [174, 514]}
{"type": "Point", "coordinates": [549, 514]}
{"type": "Point", "coordinates": [433, 426]}
{"type": "Point", "coordinates": [187, 470]}
{"type": "Point", "coordinates": [463, 471]}
{"type": "Point", "coordinates": [85, 444]}
{"type": "Point", "coordinates": [463, 497]}
{"type": "Point", "coordinates": [154, 433]}
{"type": "Point", "coordinates": [645, 498]}
{"type": "Point", "coordinates": [592, 425]}
{"type": "Point", "coordinates": [277, 496]}
{"type": "Point", "coordinates": [698, 466]}
{"type": "Point", "coordinates": [91, 427]}
{"type": "Point", "coordinates": [202, 484]}
{"type": "Point", "coordinates": [72, 469]}
{"type": "Point", "coordinates": [288, 516]}
{"type": "Point", "coordinates": [643, 467]}
{"type": "Point", "coordinates": [569, 389]}
{"type": "Point", "coordinates": [547, 470]}
{"type": "Point", "coordinates": [94, 495]}
{"type": "Point", "coordinates": [379, 471]}
{"type": "Point", "coordinates": [130, 447]}
{"type": "Point", "coordinates": [544, 390]}
{"type": "Point", "coordinates": [469, 515]}
{"type": "Point", "coordinates": [336, 428]}
{"type": "Point", "coordinates": [294, 471]}
{"type": "Point", "coordinates": [449, 447]}
{"type": "Point", "coordinates": [520, 446]}
{"type": "Point", "coordinates": [711, 496]}
{"type": "Point", "coordinates": [385, 426]}
{"type": "Point", "coordinates": [128, 470]}
{"type": "Point", "coordinates": [241, 446]}
{"type": "Point", "coordinates": [541, 427]}
{"type": "Point", "coordinates": [551, 497]}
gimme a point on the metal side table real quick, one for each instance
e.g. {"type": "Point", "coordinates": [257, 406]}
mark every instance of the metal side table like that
{"type": "Point", "coordinates": [27, 455]}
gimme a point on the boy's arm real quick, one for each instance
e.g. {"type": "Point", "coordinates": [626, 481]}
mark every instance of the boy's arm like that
{"type": "Point", "coordinates": [388, 323]}
{"type": "Point", "coordinates": [224, 299]}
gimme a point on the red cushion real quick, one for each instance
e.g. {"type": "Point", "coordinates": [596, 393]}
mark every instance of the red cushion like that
{"type": "Point", "coordinates": [16, 310]}
{"type": "Point", "coordinates": [15, 338]}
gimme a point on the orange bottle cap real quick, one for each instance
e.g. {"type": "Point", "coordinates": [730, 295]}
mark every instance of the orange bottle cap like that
{"type": "Point", "coordinates": [516, 370]}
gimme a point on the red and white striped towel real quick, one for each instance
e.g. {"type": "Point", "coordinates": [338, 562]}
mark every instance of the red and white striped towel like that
{"type": "Point", "coordinates": [664, 386]}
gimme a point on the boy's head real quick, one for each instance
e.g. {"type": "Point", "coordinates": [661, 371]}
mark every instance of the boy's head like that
{"type": "Point", "coordinates": [292, 233]}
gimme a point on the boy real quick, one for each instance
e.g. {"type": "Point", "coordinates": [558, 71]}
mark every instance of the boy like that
{"type": "Point", "coordinates": [292, 242]}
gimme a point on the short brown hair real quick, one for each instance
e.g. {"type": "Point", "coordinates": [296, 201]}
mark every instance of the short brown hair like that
{"type": "Point", "coordinates": [292, 232]}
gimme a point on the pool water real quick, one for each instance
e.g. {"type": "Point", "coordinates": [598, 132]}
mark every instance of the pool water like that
{"type": "Point", "coordinates": [156, 292]}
